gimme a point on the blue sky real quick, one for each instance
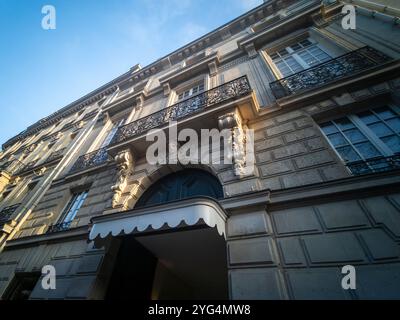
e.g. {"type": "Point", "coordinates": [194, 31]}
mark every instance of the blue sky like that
{"type": "Point", "coordinates": [95, 41]}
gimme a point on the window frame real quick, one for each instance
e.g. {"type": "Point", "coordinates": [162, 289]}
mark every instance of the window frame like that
{"type": "Point", "coordinates": [295, 55]}
{"type": "Point", "coordinates": [73, 201]}
{"type": "Point", "coordinates": [367, 132]}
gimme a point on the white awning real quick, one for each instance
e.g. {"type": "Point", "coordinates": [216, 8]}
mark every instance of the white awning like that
{"type": "Point", "coordinates": [190, 212]}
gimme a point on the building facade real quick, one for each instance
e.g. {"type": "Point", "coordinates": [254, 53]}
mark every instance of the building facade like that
{"type": "Point", "coordinates": [323, 101]}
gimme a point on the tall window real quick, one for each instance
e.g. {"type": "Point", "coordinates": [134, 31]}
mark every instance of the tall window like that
{"type": "Point", "coordinates": [299, 56]}
{"type": "Point", "coordinates": [111, 133]}
{"type": "Point", "coordinates": [366, 136]}
{"type": "Point", "coordinates": [72, 208]}
{"type": "Point", "coordinates": [191, 92]}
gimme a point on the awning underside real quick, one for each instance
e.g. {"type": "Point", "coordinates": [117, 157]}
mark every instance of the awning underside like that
{"type": "Point", "coordinates": [159, 218]}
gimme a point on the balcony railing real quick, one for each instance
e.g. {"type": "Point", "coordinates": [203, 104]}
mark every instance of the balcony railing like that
{"type": "Point", "coordinates": [90, 160]}
{"type": "Point", "coordinates": [7, 212]}
{"type": "Point", "coordinates": [380, 164]}
{"type": "Point", "coordinates": [59, 227]}
{"type": "Point", "coordinates": [329, 71]}
{"type": "Point", "coordinates": [229, 91]}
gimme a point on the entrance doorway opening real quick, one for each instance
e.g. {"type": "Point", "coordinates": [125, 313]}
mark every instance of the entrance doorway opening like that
{"type": "Point", "coordinates": [189, 264]}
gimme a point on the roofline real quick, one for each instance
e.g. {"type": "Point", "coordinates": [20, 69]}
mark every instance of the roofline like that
{"type": "Point", "coordinates": [108, 86]}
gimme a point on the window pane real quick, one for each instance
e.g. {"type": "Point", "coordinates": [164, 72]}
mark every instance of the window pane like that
{"type": "Point", "coordinates": [367, 117]}
{"type": "Point", "coordinates": [355, 135]}
{"type": "Point", "coordinates": [283, 52]}
{"type": "Point", "coordinates": [344, 123]}
{"type": "Point", "coordinates": [274, 56]}
{"type": "Point", "coordinates": [296, 47]}
{"type": "Point", "coordinates": [293, 64]}
{"type": "Point", "coordinates": [348, 154]}
{"type": "Point", "coordinates": [305, 42]}
{"type": "Point", "coordinates": [367, 150]}
{"type": "Point", "coordinates": [394, 124]}
{"type": "Point", "coordinates": [393, 142]}
{"type": "Point", "coordinates": [385, 113]}
{"type": "Point", "coordinates": [337, 139]}
{"type": "Point", "coordinates": [328, 128]}
{"type": "Point", "coordinates": [380, 129]}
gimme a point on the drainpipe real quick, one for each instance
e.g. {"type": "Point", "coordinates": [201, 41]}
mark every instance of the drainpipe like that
{"type": "Point", "coordinates": [46, 183]}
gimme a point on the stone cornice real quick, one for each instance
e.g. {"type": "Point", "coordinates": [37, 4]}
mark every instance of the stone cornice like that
{"type": "Point", "coordinates": [276, 29]}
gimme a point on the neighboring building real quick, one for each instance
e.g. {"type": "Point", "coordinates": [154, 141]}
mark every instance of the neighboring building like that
{"type": "Point", "coordinates": [77, 192]}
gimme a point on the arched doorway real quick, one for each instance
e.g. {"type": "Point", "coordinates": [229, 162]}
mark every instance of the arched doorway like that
{"type": "Point", "coordinates": [182, 263]}
{"type": "Point", "coordinates": [181, 185]}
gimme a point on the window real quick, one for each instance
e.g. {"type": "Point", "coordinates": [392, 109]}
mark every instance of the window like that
{"type": "Point", "coordinates": [367, 139]}
{"type": "Point", "coordinates": [72, 208]}
{"type": "Point", "coordinates": [111, 133]}
{"type": "Point", "coordinates": [299, 56]}
{"type": "Point", "coordinates": [21, 286]}
{"type": "Point", "coordinates": [191, 92]}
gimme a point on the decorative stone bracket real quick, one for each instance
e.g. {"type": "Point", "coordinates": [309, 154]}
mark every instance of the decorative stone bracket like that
{"type": "Point", "coordinates": [241, 142]}
{"type": "Point", "coordinates": [125, 166]}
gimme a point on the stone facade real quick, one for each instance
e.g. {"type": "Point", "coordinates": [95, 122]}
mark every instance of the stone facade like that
{"type": "Point", "coordinates": [291, 225]}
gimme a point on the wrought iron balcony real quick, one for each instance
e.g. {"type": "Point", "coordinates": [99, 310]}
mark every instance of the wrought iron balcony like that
{"type": "Point", "coordinates": [7, 212]}
{"type": "Point", "coordinates": [59, 227]}
{"type": "Point", "coordinates": [380, 164]}
{"type": "Point", "coordinates": [346, 65]}
{"type": "Point", "coordinates": [90, 160]}
{"type": "Point", "coordinates": [229, 91]}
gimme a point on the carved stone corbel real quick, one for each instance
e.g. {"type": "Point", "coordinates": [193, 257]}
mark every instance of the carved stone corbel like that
{"type": "Point", "coordinates": [125, 165]}
{"type": "Point", "coordinates": [241, 143]}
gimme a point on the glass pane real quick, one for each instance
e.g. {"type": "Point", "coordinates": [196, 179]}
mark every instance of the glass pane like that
{"type": "Point", "coordinates": [308, 58]}
{"type": "Point", "coordinates": [274, 56]}
{"type": "Point", "coordinates": [284, 69]}
{"type": "Point", "coordinates": [296, 47]}
{"type": "Point", "coordinates": [393, 142]}
{"type": "Point", "coordinates": [355, 135]}
{"type": "Point", "coordinates": [367, 150]}
{"type": "Point", "coordinates": [348, 154]}
{"type": "Point", "coordinates": [380, 129]}
{"type": "Point", "coordinates": [385, 112]}
{"type": "Point", "coordinates": [305, 42]}
{"type": "Point", "coordinates": [328, 128]}
{"type": "Point", "coordinates": [337, 139]}
{"type": "Point", "coordinates": [344, 123]}
{"type": "Point", "coordinates": [293, 64]}
{"type": "Point", "coordinates": [394, 124]}
{"type": "Point", "coordinates": [283, 52]}
{"type": "Point", "coordinates": [368, 117]}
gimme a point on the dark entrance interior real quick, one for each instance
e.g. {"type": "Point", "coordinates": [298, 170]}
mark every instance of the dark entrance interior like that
{"type": "Point", "coordinates": [180, 265]}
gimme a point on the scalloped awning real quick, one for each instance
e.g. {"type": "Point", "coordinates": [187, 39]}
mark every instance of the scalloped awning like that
{"type": "Point", "coordinates": [190, 212]}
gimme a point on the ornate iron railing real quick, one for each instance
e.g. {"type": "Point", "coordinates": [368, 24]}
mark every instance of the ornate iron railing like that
{"type": "Point", "coordinates": [90, 160]}
{"type": "Point", "coordinates": [228, 91]}
{"type": "Point", "coordinates": [380, 164]}
{"type": "Point", "coordinates": [329, 71]}
{"type": "Point", "coordinates": [59, 227]}
{"type": "Point", "coordinates": [7, 212]}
